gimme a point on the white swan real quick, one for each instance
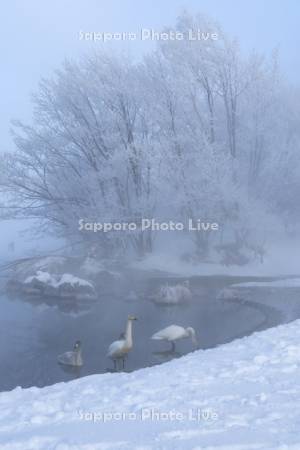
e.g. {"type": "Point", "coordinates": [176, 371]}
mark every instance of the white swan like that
{"type": "Point", "coordinates": [118, 350]}
{"type": "Point", "coordinates": [172, 295]}
{"type": "Point", "coordinates": [174, 333]}
{"type": "Point", "coordinates": [72, 358]}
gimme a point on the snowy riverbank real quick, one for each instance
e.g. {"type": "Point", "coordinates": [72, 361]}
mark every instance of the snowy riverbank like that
{"type": "Point", "coordinates": [281, 259]}
{"type": "Point", "coordinates": [242, 395]}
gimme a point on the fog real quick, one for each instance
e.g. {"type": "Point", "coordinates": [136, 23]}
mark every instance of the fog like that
{"type": "Point", "coordinates": [149, 211]}
{"type": "Point", "coordinates": [36, 37]}
{"type": "Point", "coordinates": [146, 176]}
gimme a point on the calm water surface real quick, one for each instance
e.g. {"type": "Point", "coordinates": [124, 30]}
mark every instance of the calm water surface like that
{"type": "Point", "coordinates": [34, 332]}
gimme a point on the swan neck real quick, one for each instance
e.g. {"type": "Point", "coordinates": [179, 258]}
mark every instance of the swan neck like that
{"type": "Point", "coordinates": [128, 333]}
{"type": "Point", "coordinates": [78, 356]}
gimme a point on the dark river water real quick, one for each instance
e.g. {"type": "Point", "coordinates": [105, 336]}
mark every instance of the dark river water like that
{"type": "Point", "coordinates": [34, 333]}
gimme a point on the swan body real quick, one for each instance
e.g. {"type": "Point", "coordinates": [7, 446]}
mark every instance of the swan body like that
{"type": "Point", "coordinates": [119, 349]}
{"type": "Point", "coordinates": [169, 295]}
{"type": "Point", "coordinates": [175, 332]}
{"type": "Point", "coordinates": [72, 358]}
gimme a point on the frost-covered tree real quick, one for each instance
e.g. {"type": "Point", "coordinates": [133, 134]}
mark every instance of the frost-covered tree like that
{"type": "Point", "coordinates": [193, 130]}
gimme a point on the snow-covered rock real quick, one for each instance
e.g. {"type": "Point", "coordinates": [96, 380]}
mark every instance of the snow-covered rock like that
{"type": "Point", "coordinates": [40, 277]}
{"type": "Point", "coordinates": [239, 396]}
{"type": "Point", "coordinates": [69, 286]}
{"type": "Point", "coordinates": [64, 286]}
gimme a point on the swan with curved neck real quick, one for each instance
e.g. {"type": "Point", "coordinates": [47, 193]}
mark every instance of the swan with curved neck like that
{"type": "Point", "coordinates": [119, 349]}
{"type": "Point", "coordinates": [174, 333]}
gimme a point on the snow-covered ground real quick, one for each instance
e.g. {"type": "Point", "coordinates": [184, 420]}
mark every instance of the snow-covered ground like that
{"type": "Point", "coordinates": [239, 396]}
{"type": "Point", "coordinates": [282, 258]}
{"type": "Point", "coordinates": [284, 283]}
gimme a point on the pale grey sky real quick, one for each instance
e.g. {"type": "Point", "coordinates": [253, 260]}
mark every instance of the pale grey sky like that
{"type": "Point", "coordinates": [38, 35]}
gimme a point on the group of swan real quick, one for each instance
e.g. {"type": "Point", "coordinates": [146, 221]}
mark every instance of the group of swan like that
{"type": "Point", "coordinates": [119, 349]}
{"type": "Point", "coordinates": [171, 295]}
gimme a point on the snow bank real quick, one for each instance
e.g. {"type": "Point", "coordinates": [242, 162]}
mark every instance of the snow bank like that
{"type": "Point", "coordinates": [239, 396]}
{"type": "Point", "coordinates": [285, 283]}
{"type": "Point", "coordinates": [282, 258]}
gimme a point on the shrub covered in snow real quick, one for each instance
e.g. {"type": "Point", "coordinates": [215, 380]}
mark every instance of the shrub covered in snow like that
{"type": "Point", "coordinates": [172, 295]}
{"type": "Point", "coordinates": [228, 294]}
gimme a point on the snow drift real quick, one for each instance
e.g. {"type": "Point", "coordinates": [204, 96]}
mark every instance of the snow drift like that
{"type": "Point", "coordinates": [242, 395]}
